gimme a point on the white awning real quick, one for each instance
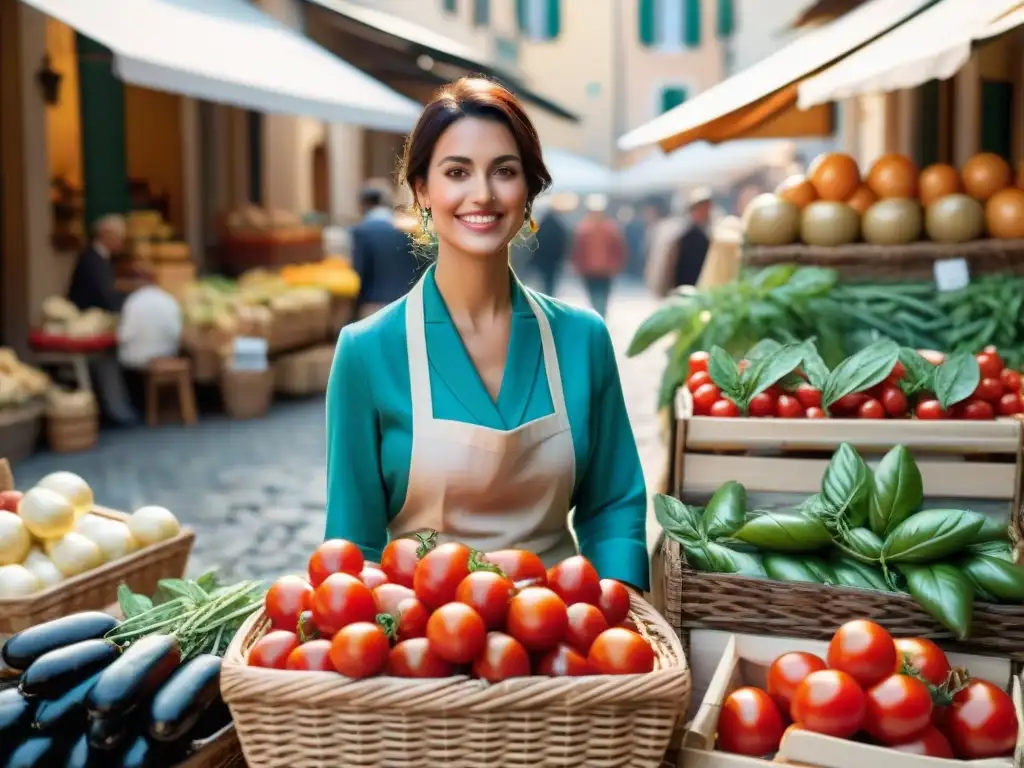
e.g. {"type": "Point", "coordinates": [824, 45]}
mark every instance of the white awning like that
{"type": "Point", "coordinates": [804, 56]}
{"type": "Point", "coordinates": [229, 51]}
{"type": "Point", "coordinates": [571, 172]}
{"type": "Point", "coordinates": [935, 44]}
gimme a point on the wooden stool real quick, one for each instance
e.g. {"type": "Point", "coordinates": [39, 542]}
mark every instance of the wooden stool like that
{"type": "Point", "coordinates": [168, 372]}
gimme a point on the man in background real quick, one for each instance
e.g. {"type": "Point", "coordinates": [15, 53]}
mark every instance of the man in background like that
{"type": "Point", "coordinates": [598, 252]}
{"type": "Point", "coordinates": [662, 235]}
{"type": "Point", "coordinates": [553, 239]}
{"type": "Point", "coordinates": [692, 248]}
{"type": "Point", "coordinates": [92, 282]}
{"type": "Point", "coordinates": [382, 254]}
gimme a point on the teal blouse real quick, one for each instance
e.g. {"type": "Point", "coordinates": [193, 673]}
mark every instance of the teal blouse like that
{"type": "Point", "coordinates": [369, 422]}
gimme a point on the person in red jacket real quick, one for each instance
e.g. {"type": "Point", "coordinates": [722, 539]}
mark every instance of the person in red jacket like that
{"type": "Point", "coordinates": [598, 252]}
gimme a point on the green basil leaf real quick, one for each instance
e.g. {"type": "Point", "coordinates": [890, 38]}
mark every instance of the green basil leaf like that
{"type": "Point", "coordinates": [132, 604]}
{"type": "Point", "coordinates": [992, 531]}
{"type": "Point", "coordinates": [711, 557]}
{"type": "Point", "coordinates": [920, 372]}
{"type": "Point", "coordinates": [930, 535]}
{"type": "Point", "coordinates": [854, 573]}
{"type": "Point", "coordinates": [676, 312]}
{"type": "Point", "coordinates": [770, 369]}
{"type": "Point", "coordinates": [996, 575]}
{"type": "Point", "coordinates": [726, 512]}
{"type": "Point", "coordinates": [785, 532]}
{"type": "Point", "coordinates": [672, 379]}
{"type": "Point", "coordinates": [813, 365]}
{"type": "Point", "coordinates": [763, 348]}
{"type": "Point", "coordinates": [956, 379]}
{"type": "Point", "coordinates": [791, 568]}
{"type": "Point", "coordinates": [772, 277]}
{"type": "Point", "coordinates": [868, 367]}
{"type": "Point", "coordinates": [944, 593]}
{"type": "Point", "coordinates": [860, 544]}
{"type": "Point", "coordinates": [678, 520]}
{"type": "Point", "coordinates": [725, 373]}
{"type": "Point", "coordinates": [1002, 549]}
{"type": "Point", "coordinates": [806, 283]}
{"type": "Point", "coordinates": [846, 486]}
{"type": "Point", "coordinates": [898, 490]}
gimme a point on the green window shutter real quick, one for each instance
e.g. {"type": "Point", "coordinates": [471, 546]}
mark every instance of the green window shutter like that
{"type": "Point", "coordinates": [451, 5]}
{"type": "Point", "coordinates": [521, 18]}
{"type": "Point", "coordinates": [646, 22]}
{"type": "Point", "coordinates": [671, 97]}
{"type": "Point", "coordinates": [691, 23]}
{"type": "Point", "coordinates": [554, 20]}
{"type": "Point", "coordinates": [997, 118]}
{"type": "Point", "coordinates": [726, 18]}
{"type": "Point", "coordinates": [482, 13]}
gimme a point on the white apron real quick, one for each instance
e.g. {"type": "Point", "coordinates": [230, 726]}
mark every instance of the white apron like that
{"type": "Point", "coordinates": [488, 488]}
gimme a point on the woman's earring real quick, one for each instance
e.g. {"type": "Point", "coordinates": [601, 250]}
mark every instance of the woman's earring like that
{"type": "Point", "coordinates": [425, 219]}
{"type": "Point", "coordinates": [533, 225]}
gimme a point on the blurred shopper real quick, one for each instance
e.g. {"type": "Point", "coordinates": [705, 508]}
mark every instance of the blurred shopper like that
{"type": "Point", "coordinates": [382, 254]}
{"type": "Point", "coordinates": [598, 252]}
{"type": "Point", "coordinates": [553, 240]}
{"type": "Point", "coordinates": [691, 249]}
{"type": "Point", "coordinates": [150, 328]}
{"type": "Point", "coordinates": [92, 282]}
{"type": "Point", "coordinates": [635, 231]}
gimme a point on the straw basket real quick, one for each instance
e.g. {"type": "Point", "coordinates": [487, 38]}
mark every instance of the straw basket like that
{"type": "Point", "coordinates": [247, 394]}
{"type": "Point", "coordinates": [221, 750]}
{"type": "Point", "coordinates": [312, 719]}
{"type": "Point", "coordinates": [19, 430]}
{"type": "Point", "coordinates": [96, 589]}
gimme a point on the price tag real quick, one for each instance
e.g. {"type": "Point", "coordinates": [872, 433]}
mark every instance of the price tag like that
{"type": "Point", "coordinates": [952, 274]}
{"type": "Point", "coordinates": [249, 354]}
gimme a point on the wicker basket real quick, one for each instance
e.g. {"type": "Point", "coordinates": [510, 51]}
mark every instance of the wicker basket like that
{"type": "Point", "coordinates": [247, 394]}
{"type": "Point", "coordinates": [96, 589]}
{"type": "Point", "coordinates": [19, 431]}
{"type": "Point", "coordinates": [311, 719]}
{"type": "Point", "coordinates": [305, 372]}
{"type": "Point", "coordinates": [73, 422]}
{"type": "Point", "coordinates": [221, 750]}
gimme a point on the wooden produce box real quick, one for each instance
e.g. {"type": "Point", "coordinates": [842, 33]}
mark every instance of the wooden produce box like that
{"type": "Point", "coordinates": [305, 372]}
{"type": "Point", "coordinates": [239, 252]}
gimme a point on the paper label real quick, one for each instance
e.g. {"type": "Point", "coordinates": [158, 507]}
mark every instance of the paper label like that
{"type": "Point", "coordinates": [952, 274]}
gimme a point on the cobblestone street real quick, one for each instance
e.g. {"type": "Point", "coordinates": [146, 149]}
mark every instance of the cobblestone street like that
{"type": "Point", "coordinates": [254, 491]}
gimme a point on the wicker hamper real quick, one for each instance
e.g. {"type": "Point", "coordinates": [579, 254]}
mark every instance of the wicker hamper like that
{"type": "Point", "coordinates": [19, 430]}
{"type": "Point", "coordinates": [305, 372]}
{"type": "Point", "coordinates": [311, 719]}
{"type": "Point", "coordinates": [72, 422]}
{"type": "Point", "coordinates": [247, 394]}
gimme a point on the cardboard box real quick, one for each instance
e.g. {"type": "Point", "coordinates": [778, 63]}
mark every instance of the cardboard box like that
{"type": "Point", "coordinates": [745, 661]}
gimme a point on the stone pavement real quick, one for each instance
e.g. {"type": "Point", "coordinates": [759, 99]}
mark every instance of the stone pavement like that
{"type": "Point", "coordinates": [254, 490]}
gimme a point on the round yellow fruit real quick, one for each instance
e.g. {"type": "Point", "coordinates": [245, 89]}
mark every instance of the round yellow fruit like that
{"type": "Point", "coordinates": [893, 221]}
{"type": "Point", "coordinates": [829, 224]}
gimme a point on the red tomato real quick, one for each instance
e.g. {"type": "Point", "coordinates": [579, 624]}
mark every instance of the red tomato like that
{"type": "Point", "coordinates": [342, 599]}
{"type": "Point", "coordinates": [563, 661]}
{"type": "Point", "coordinates": [979, 410]}
{"type": "Point", "coordinates": [415, 658]}
{"type": "Point", "coordinates": [439, 574]}
{"type": "Point", "coordinates": [927, 659]}
{"type": "Point", "coordinates": [538, 618]}
{"type": "Point", "coordinates": [931, 743]}
{"type": "Point", "coordinates": [724, 409]}
{"type": "Point", "coordinates": [871, 409]}
{"type": "Point", "coordinates": [830, 702]}
{"type": "Point", "coordinates": [520, 566]}
{"type": "Point", "coordinates": [816, 413]}
{"type": "Point", "coordinates": [271, 651]}
{"type": "Point", "coordinates": [808, 396]}
{"type": "Point", "coordinates": [387, 597]}
{"type": "Point", "coordinates": [286, 599]}
{"type": "Point", "coordinates": [990, 363]}
{"type": "Point", "coordinates": [488, 594]}
{"type": "Point", "coordinates": [412, 618]}
{"type": "Point", "coordinates": [575, 581]}
{"type": "Point", "coordinates": [895, 402]}
{"type": "Point", "coordinates": [360, 650]}
{"type": "Point", "coordinates": [335, 556]}
{"type": "Point", "coordinates": [705, 396]}
{"type": "Point", "coordinates": [698, 379]}
{"type": "Point", "coordinates": [1010, 404]}
{"type": "Point", "coordinates": [618, 651]}
{"type": "Point", "coordinates": [698, 362]}
{"type": "Point", "coordinates": [787, 672]}
{"type": "Point", "coordinates": [898, 372]}
{"type": "Point", "coordinates": [899, 709]}
{"type": "Point", "coordinates": [749, 723]}
{"type": "Point", "coordinates": [373, 577]}
{"type": "Point", "coordinates": [848, 404]}
{"type": "Point", "coordinates": [989, 390]}
{"type": "Point", "coordinates": [614, 601]}
{"type": "Point", "coordinates": [865, 651]}
{"type": "Point", "coordinates": [456, 633]}
{"type": "Point", "coordinates": [503, 657]}
{"type": "Point", "coordinates": [982, 722]}
{"type": "Point", "coordinates": [1010, 379]}
{"type": "Point", "coordinates": [400, 556]}
{"type": "Point", "coordinates": [585, 623]}
{"type": "Point", "coordinates": [788, 407]}
{"type": "Point", "coordinates": [762, 405]}
{"type": "Point", "coordinates": [312, 656]}
{"type": "Point", "coordinates": [930, 410]}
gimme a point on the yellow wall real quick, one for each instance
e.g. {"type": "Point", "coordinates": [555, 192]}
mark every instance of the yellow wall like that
{"type": "Point", "coordinates": [63, 124]}
{"type": "Point", "coordinates": [153, 138]}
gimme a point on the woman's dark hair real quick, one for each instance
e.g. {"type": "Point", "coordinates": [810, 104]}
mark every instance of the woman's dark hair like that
{"type": "Point", "coordinates": [480, 98]}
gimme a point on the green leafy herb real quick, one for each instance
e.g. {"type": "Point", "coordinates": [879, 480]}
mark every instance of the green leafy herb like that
{"type": "Point", "coordinates": [898, 490]}
{"type": "Point", "coordinates": [131, 604]}
{"type": "Point", "coordinates": [868, 367]}
{"type": "Point", "coordinates": [804, 568]}
{"type": "Point", "coordinates": [676, 311]}
{"type": "Point", "coordinates": [996, 575]}
{"type": "Point", "coordinates": [860, 544]}
{"type": "Point", "coordinates": [956, 379]}
{"type": "Point", "coordinates": [920, 373]}
{"type": "Point", "coordinates": [944, 593]}
{"type": "Point", "coordinates": [679, 521]}
{"type": "Point", "coordinates": [931, 535]}
{"type": "Point", "coordinates": [712, 557]}
{"type": "Point", "coordinates": [813, 365]}
{"type": "Point", "coordinates": [726, 511]}
{"type": "Point", "coordinates": [770, 369]}
{"type": "Point", "coordinates": [725, 374]}
{"type": "Point", "coordinates": [846, 486]}
{"type": "Point", "coordinates": [853, 573]}
{"type": "Point", "coordinates": [785, 532]}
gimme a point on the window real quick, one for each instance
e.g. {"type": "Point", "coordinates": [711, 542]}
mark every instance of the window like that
{"type": "Point", "coordinates": [726, 19]}
{"type": "Point", "coordinates": [670, 24]}
{"type": "Point", "coordinates": [452, 6]}
{"type": "Point", "coordinates": [539, 19]}
{"type": "Point", "coordinates": [482, 12]}
{"type": "Point", "coordinates": [671, 96]}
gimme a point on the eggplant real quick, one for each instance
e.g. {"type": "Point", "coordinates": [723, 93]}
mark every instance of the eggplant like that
{"type": "Point", "coordinates": [38, 752]}
{"type": "Point", "coordinates": [184, 698]}
{"type": "Point", "coordinates": [57, 672]}
{"type": "Point", "coordinates": [65, 711]}
{"type": "Point", "coordinates": [216, 717]}
{"type": "Point", "coordinates": [107, 734]}
{"type": "Point", "coordinates": [23, 648]}
{"type": "Point", "coordinates": [82, 755]}
{"type": "Point", "coordinates": [15, 715]}
{"type": "Point", "coordinates": [135, 677]}
{"type": "Point", "coordinates": [143, 753]}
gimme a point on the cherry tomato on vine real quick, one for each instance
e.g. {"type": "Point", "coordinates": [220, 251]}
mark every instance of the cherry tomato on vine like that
{"type": "Point", "coordinates": [503, 657]}
{"type": "Point", "coordinates": [520, 566]}
{"type": "Point", "coordinates": [724, 409]}
{"type": "Point", "coordinates": [1011, 380]}
{"type": "Point", "coordinates": [848, 404]}
{"type": "Point", "coordinates": [271, 651]}
{"type": "Point", "coordinates": [335, 556]}
{"type": "Point", "coordinates": [927, 659]}
{"type": "Point", "coordinates": [538, 618]}
{"type": "Point", "coordinates": [979, 410]}
{"type": "Point", "coordinates": [586, 622]}
{"type": "Point", "coordinates": [930, 410]}
{"type": "Point", "coordinates": [981, 722]}
{"type": "Point", "coordinates": [415, 658]}
{"type": "Point", "coordinates": [286, 599]}
{"type": "Point", "coordinates": [563, 661]}
{"type": "Point", "coordinates": [388, 596]}
{"type": "Point", "coordinates": [360, 650]}
{"type": "Point", "coordinates": [698, 379]}
{"type": "Point", "coordinates": [865, 651]}
{"type": "Point", "coordinates": [990, 363]}
{"type": "Point", "coordinates": [698, 362]}
{"type": "Point", "coordinates": [898, 372]}
{"type": "Point", "coordinates": [412, 618]}
{"type": "Point", "coordinates": [488, 594]}
{"type": "Point", "coordinates": [899, 709]}
{"type": "Point", "coordinates": [618, 651]}
{"type": "Point", "coordinates": [830, 702]}
{"type": "Point", "coordinates": [705, 396]}
{"type": "Point", "coordinates": [749, 723]}
{"type": "Point", "coordinates": [311, 656]}
{"type": "Point", "coordinates": [762, 406]}
{"type": "Point", "coordinates": [439, 573]}
{"type": "Point", "coordinates": [340, 600]}
{"type": "Point", "coordinates": [816, 413]}
{"type": "Point", "coordinates": [1010, 404]}
{"type": "Point", "coordinates": [895, 402]}
{"type": "Point", "coordinates": [372, 577]}
{"type": "Point", "coordinates": [931, 743]}
{"type": "Point", "coordinates": [871, 409]}
{"type": "Point", "coordinates": [614, 601]}
{"type": "Point", "coordinates": [989, 390]}
{"type": "Point", "coordinates": [400, 557]}
{"type": "Point", "coordinates": [575, 581]}
{"type": "Point", "coordinates": [788, 407]}
{"type": "Point", "coordinates": [787, 672]}
{"type": "Point", "coordinates": [456, 633]}
{"type": "Point", "coordinates": [809, 396]}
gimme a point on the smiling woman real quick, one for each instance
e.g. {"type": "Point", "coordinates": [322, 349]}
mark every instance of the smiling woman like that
{"type": "Point", "coordinates": [447, 410]}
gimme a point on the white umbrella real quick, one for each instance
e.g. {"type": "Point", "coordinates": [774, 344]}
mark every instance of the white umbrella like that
{"type": "Point", "coordinates": [573, 173]}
